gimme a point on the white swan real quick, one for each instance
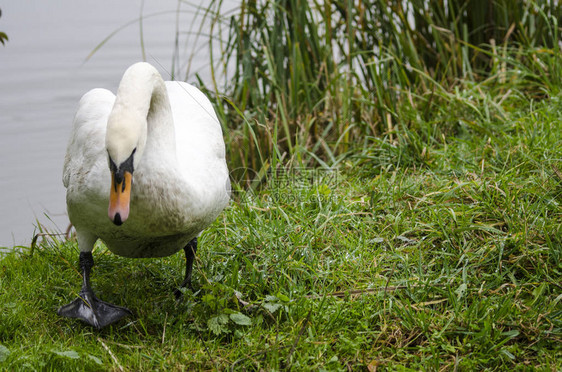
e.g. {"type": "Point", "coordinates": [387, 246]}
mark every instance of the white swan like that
{"type": "Point", "coordinates": [153, 159]}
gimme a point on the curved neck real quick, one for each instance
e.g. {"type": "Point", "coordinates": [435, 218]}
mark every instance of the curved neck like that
{"type": "Point", "coordinates": [142, 94]}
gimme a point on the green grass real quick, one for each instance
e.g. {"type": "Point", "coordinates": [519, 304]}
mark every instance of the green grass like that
{"type": "Point", "coordinates": [393, 262]}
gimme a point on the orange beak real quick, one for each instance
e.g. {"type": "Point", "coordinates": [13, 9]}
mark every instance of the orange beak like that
{"type": "Point", "coordinates": [119, 198]}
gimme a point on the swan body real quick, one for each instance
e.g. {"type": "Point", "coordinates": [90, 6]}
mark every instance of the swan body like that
{"type": "Point", "coordinates": [180, 184]}
{"type": "Point", "coordinates": [145, 169]}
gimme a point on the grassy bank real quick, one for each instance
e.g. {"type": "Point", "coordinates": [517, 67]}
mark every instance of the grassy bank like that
{"type": "Point", "coordinates": [426, 234]}
{"type": "Point", "coordinates": [452, 264]}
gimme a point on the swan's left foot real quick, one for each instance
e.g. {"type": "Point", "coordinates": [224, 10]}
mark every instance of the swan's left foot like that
{"type": "Point", "coordinates": [190, 249]}
{"type": "Point", "coordinates": [87, 306]}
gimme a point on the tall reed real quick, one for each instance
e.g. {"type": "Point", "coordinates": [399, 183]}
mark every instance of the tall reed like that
{"type": "Point", "coordinates": [311, 82]}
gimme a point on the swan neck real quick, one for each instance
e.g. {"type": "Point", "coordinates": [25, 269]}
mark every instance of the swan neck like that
{"type": "Point", "coordinates": [143, 91]}
{"type": "Point", "coordinates": [142, 97]}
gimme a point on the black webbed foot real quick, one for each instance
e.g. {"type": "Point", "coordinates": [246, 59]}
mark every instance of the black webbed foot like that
{"type": "Point", "coordinates": [87, 306]}
{"type": "Point", "coordinates": [97, 313]}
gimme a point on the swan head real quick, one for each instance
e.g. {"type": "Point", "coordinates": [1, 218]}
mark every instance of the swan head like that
{"type": "Point", "coordinates": [125, 140]}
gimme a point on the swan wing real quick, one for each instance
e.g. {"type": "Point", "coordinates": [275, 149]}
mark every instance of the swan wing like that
{"type": "Point", "coordinates": [198, 130]}
{"type": "Point", "coordinates": [200, 145]}
{"type": "Point", "coordinates": [85, 154]}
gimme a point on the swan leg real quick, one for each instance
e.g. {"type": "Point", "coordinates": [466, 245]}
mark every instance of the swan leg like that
{"type": "Point", "coordinates": [190, 249]}
{"type": "Point", "coordinates": [87, 306]}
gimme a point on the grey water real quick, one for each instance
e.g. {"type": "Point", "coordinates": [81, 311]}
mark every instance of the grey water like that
{"type": "Point", "coordinates": [43, 74]}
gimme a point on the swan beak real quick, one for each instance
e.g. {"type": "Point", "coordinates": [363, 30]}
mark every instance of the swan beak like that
{"type": "Point", "coordinates": [119, 198]}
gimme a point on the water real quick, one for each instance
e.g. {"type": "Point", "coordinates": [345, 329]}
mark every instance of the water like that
{"type": "Point", "coordinates": [43, 74]}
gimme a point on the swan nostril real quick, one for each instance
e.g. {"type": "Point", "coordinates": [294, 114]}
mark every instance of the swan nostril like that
{"type": "Point", "coordinates": [117, 219]}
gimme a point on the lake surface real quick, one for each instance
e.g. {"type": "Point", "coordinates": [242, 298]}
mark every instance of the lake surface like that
{"type": "Point", "coordinates": [43, 74]}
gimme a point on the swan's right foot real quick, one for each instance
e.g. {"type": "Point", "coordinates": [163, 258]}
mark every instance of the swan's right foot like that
{"type": "Point", "coordinates": [87, 306]}
{"type": "Point", "coordinates": [97, 313]}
